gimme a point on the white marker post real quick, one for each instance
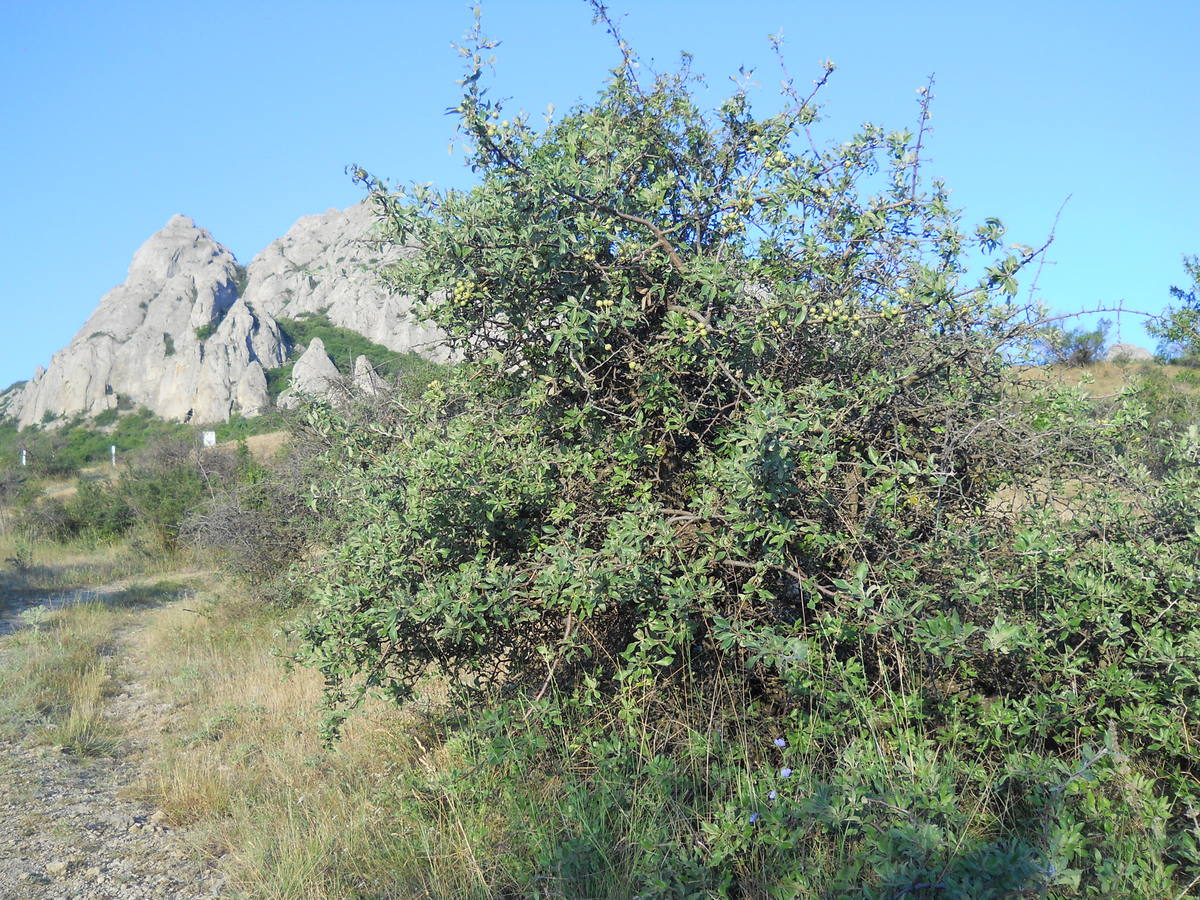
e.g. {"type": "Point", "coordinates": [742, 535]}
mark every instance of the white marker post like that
{"type": "Point", "coordinates": [23, 456]}
{"type": "Point", "coordinates": [112, 448]}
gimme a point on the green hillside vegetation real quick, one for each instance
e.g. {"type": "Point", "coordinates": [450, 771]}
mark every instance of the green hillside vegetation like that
{"type": "Point", "coordinates": [239, 427]}
{"type": "Point", "coordinates": [82, 442]}
{"type": "Point", "coordinates": [345, 346]}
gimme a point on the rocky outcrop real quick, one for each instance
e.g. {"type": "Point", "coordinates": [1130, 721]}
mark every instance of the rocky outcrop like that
{"type": "Point", "coordinates": [8, 398]}
{"type": "Point", "coordinates": [365, 378]}
{"type": "Point", "coordinates": [174, 337]}
{"type": "Point", "coordinates": [1128, 353]}
{"type": "Point", "coordinates": [179, 339]}
{"type": "Point", "coordinates": [328, 264]}
{"type": "Point", "coordinates": [252, 396]}
{"type": "Point", "coordinates": [314, 375]}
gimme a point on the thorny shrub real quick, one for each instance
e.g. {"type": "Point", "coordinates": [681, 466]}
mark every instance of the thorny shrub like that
{"type": "Point", "coordinates": [1178, 328]}
{"type": "Point", "coordinates": [730, 404]}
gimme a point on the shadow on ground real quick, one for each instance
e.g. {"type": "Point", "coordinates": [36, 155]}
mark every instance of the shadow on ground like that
{"type": "Point", "coordinates": [28, 594]}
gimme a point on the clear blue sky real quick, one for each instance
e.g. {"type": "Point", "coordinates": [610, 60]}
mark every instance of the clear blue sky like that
{"type": "Point", "coordinates": [117, 115]}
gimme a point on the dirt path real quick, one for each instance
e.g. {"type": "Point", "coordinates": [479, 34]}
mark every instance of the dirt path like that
{"type": "Point", "coordinates": [68, 828]}
{"type": "Point", "coordinates": [13, 615]}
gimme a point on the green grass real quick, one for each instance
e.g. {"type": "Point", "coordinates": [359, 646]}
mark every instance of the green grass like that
{"type": "Point", "coordinates": [343, 345]}
{"type": "Point", "coordinates": [239, 427]}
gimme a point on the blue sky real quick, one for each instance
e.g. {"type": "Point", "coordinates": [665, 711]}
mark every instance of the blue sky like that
{"type": "Point", "coordinates": [243, 116]}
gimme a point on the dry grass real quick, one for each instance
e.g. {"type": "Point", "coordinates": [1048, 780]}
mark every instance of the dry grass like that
{"type": "Point", "coordinates": [263, 447]}
{"type": "Point", "coordinates": [243, 765]}
{"type": "Point", "coordinates": [239, 757]}
{"type": "Point", "coordinates": [57, 674]}
{"type": "Point", "coordinates": [65, 489]}
{"type": "Point", "coordinates": [73, 563]}
{"type": "Point", "coordinates": [59, 668]}
{"type": "Point", "coordinates": [35, 572]}
{"type": "Point", "coordinates": [1107, 379]}
{"type": "Point", "coordinates": [84, 729]}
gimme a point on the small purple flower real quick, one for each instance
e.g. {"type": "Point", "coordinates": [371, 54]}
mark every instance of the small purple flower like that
{"type": "Point", "coordinates": [780, 743]}
{"type": "Point", "coordinates": [772, 795]}
{"type": "Point", "coordinates": [785, 772]}
{"type": "Point", "coordinates": [753, 818]}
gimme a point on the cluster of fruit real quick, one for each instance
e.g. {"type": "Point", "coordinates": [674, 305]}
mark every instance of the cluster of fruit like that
{"type": "Point", "coordinates": [490, 127]}
{"type": "Point", "coordinates": [464, 291]}
{"type": "Point", "coordinates": [695, 330]}
{"type": "Point", "coordinates": [777, 160]}
{"type": "Point", "coordinates": [839, 314]}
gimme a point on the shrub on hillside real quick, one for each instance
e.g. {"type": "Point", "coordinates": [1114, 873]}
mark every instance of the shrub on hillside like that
{"type": "Point", "coordinates": [100, 509]}
{"type": "Point", "coordinates": [13, 481]}
{"type": "Point", "coordinates": [720, 380]}
{"type": "Point", "coordinates": [734, 431]}
{"type": "Point", "coordinates": [168, 480]}
{"type": "Point", "coordinates": [96, 509]}
{"type": "Point", "coordinates": [1167, 403]}
{"type": "Point", "coordinates": [46, 519]}
{"type": "Point", "coordinates": [1178, 328]}
{"type": "Point", "coordinates": [1075, 347]}
{"type": "Point", "coordinates": [264, 521]}
{"type": "Point", "coordinates": [260, 522]}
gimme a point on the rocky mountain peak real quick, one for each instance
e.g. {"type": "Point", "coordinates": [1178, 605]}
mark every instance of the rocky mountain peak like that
{"type": "Point", "coordinates": [178, 246]}
{"type": "Point", "coordinates": [327, 264]}
{"type": "Point", "coordinates": [177, 337]}
{"type": "Point", "coordinates": [145, 345]}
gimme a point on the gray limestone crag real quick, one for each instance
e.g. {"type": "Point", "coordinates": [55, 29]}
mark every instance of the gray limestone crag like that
{"type": "Point", "coordinates": [146, 342]}
{"type": "Point", "coordinates": [179, 339]}
{"type": "Point", "coordinates": [252, 397]}
{"type": "Point", "coordinates": [365, 378]}
{"type": "Point", "coordinates": [1130, 352]}
{"type": "Point", "coordinates": [313, 375]}
{"type": "Point", "coordinates": [8, 398]}
{"type": "Point", "coordinates": [328, 264]}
